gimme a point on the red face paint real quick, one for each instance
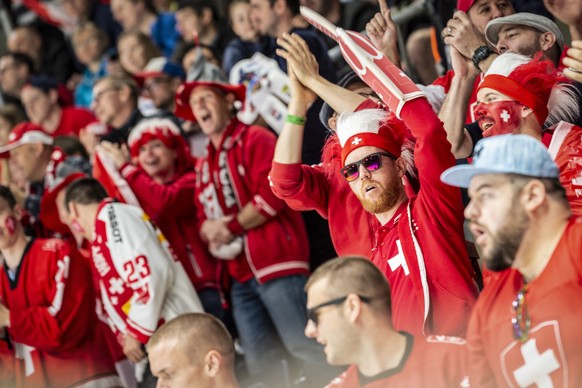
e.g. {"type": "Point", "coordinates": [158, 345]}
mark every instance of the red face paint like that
{"type": "Point", "coordinates": [10, 224]}
{"type": "Point", "coordinates": [498, 117]}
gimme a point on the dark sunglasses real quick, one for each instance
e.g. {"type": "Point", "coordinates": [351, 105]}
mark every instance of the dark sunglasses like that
{"type": "Point", "coordinates": [520, 321]}
{"type": "Point", "coordinates": [313, 316]}
{"type": "Point", "coordinates": [371, 163]}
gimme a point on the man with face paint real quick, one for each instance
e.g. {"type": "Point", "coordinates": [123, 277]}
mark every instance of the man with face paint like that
{"type": "Point", "coordinates": [520, 95]}
{"type": "Point", "coordinates": [47, 311]}
{"type": "Point", "coordinates": [525, 327]}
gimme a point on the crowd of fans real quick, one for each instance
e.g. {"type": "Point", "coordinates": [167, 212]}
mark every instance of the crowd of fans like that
{"type": "Point", "coordinates": [203, 193]}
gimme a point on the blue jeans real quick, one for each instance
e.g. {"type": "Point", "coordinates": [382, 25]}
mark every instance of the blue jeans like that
{"type": "Point", "coordinates": [271, 319]}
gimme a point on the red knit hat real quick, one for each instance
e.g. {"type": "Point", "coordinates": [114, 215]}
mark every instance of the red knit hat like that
{"type": "Point", "coordinates": [166, 131]}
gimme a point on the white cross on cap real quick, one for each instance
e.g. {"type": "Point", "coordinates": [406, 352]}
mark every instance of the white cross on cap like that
{"type": "Point", "coordinates": [357, 141]}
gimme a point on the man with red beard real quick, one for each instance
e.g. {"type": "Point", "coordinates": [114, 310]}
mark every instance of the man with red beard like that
{"type": "Point", "coordinates": [419, 245]}
{"type": "Point", "coordinates": [524, 330]}
{"type": "Point", "coordinates": [520, 95]}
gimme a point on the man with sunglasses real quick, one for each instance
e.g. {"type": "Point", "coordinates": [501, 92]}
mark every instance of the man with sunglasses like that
{"type": "Point", "coordinates": [525, 328]}
{"type": "Point", "coordinates": [420, 245]}
{"type": "Point", "coordinates": [349, 310]}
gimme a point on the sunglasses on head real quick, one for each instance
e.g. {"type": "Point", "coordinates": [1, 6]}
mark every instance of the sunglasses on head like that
{"type": "Point", "coordinates": [371, 163]}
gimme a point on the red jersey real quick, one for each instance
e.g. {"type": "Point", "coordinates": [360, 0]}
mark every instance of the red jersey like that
{"type": "Point", "coordinates": [422, 250]}
{"type": "Point", "coordinates": [434, 361]}
{"type": "Point", "coordinates": [551, 356]}
{"type": "Point", "coordinates": [53, 331]}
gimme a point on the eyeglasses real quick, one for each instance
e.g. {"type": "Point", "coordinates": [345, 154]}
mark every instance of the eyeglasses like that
{"type": "Point", "coordinates": [521, 321]}
{"type": "Point", "coordinates": [313, 316]}
{"type": "Point", "coordinates": [97, 96]}
{"type": "Point", "coordinates": [371, 163]}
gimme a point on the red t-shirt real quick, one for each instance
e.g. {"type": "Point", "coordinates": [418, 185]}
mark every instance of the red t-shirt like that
{"type": "Point", "coordinates": [434, 361]}
{"type": "Point", "coordinates": [552, 355]}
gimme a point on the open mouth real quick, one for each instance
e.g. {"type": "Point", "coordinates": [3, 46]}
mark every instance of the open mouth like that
{"type": "Point", "coordinates": [485, 123]}
{"type": "Point", "coordinates": [479, 233]}
{"type": "Point", "coordinates": [205, 117]}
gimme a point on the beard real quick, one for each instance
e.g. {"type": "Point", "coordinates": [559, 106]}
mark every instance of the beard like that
{"type": "Point", "coordinates": [507, 240]}
{"type": "Point", "coordinates": [388, 198]}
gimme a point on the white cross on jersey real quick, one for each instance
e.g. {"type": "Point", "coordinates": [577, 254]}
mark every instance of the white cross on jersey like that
{"type": "Point", "coordinates": [357, 141]}
{"type": "Point", "coordinates": [399, 260]}
{"type": "Point", "coordinates": [505, 116]}
{"type": "Point", "coordinates": [24, 352]}
{"type": "Point", "coordinates": [537, 367]}
{"type": "Point", "coordinates": [115, 286]}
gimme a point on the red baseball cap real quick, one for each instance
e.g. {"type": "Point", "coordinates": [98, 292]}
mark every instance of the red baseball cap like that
{"type": "Point", "coordinates": [26, 133]}
{"type": "Point", "coordinates": [464, 5]}
{"type": "Point", "coordinates": [183, 109]}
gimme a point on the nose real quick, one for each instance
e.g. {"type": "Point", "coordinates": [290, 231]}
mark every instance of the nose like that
{"type": "Point", "coordinates": [310, 329]}
{"type": "Point", "coordinates": [501, 46]}
{"type": "Point", "coordinates": [495, 12]}
{"type": "Point", "coordinates": [471, 211]}
{"type": "Point", "coordinates": [364, 174]}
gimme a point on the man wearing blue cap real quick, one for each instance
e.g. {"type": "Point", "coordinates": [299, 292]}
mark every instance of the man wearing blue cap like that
{"type": "Point", "coordinates": [524, 329]}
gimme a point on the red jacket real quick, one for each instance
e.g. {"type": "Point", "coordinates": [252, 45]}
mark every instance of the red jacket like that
{"type": "Point", "coordinates": [306, 187]}
{"type": "Point", "coordinates": [171, 206]}
{"type": "Point", "coordinates": [53, 331]}
{"type": "Point", "coordinates": [236, 174]}
{"type": "Point", "coordinates": [421, 250]}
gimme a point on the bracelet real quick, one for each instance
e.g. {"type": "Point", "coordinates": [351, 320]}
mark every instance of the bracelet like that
{"type": "Point", "coordinates": [235, 227]}
{"type": "Point", "coordinates": [294, 119]}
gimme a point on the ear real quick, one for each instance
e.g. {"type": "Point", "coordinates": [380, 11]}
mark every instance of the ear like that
{"type": "Point", "coordinates": [212, 363]}
{"type": "Point", "coordinates": [353, 308]}
{"type": "Point", "coordinates": [230, 99]}
{"type": "Point", "coordinates": [332, 122]}
{"type": "Point", "coordinates": [73, 210]}
{"type": "Point", "coordinates": [401, 167]}
{"type": "Point", "coordinates": [280, 6]}
{"type": "Point", "coordinates": [125, 93]}
{"type": "Point", "coordinates": [206, 16]}
{"type": "Point", "coordinates": [533, 195]}
{"type": "Point", "coordinates": [175, 84]}
{"type": "Point", "coordinates": [53, 96]}
{"type": "Point", "coordinates": [526, 111]}
{"type": "Point", "coordinates": [547, 40]}
{"type": "Point", "coordinates": [18, 212]}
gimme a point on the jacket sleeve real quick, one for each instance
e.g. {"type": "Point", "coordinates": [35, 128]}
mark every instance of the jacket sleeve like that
{"type": "Point", "coordinates": [432, 156]}
{"type": "Point", "coordinates": [69, 315]}
{"type": "Point", "coordinates": [302, 187]}
{"type": "Point", "coordinates": [259, 149]}
{"type": "Point", "coordinates": [144, 265]}
{"type": "Point", "coordinates": [172, 200]}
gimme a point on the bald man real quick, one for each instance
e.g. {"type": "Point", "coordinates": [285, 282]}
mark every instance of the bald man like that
{"type": "Point", "coordinates": [193, 347]}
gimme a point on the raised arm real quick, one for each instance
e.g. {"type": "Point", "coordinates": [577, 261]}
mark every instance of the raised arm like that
{"type": "Point", "coordinates": [383, 33]}
{"type": "Point", "coordinates": [454, 108]}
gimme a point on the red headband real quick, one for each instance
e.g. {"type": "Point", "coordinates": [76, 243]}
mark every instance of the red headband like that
{"type": "Point", "coordinates": [514, 90]}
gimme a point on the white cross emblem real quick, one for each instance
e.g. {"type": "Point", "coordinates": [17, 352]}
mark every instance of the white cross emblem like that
{"type": "Point", "coordinates": [505, 116]}
{"type": "Point", "coordinates": [357, 141]}
{"type": "Point", "coordinates": [115, 286]}
{"type": "Point", "coordinates": [537, 367]}
{"type": "Point", "coordinates": [399, 260]}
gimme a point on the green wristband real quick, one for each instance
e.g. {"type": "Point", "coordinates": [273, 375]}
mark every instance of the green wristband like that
{"type": "Point", "coordinates": [294, 119]}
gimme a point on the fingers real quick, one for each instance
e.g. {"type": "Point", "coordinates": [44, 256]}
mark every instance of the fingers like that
{"type": "Point", "coordinates": [383, 6]}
